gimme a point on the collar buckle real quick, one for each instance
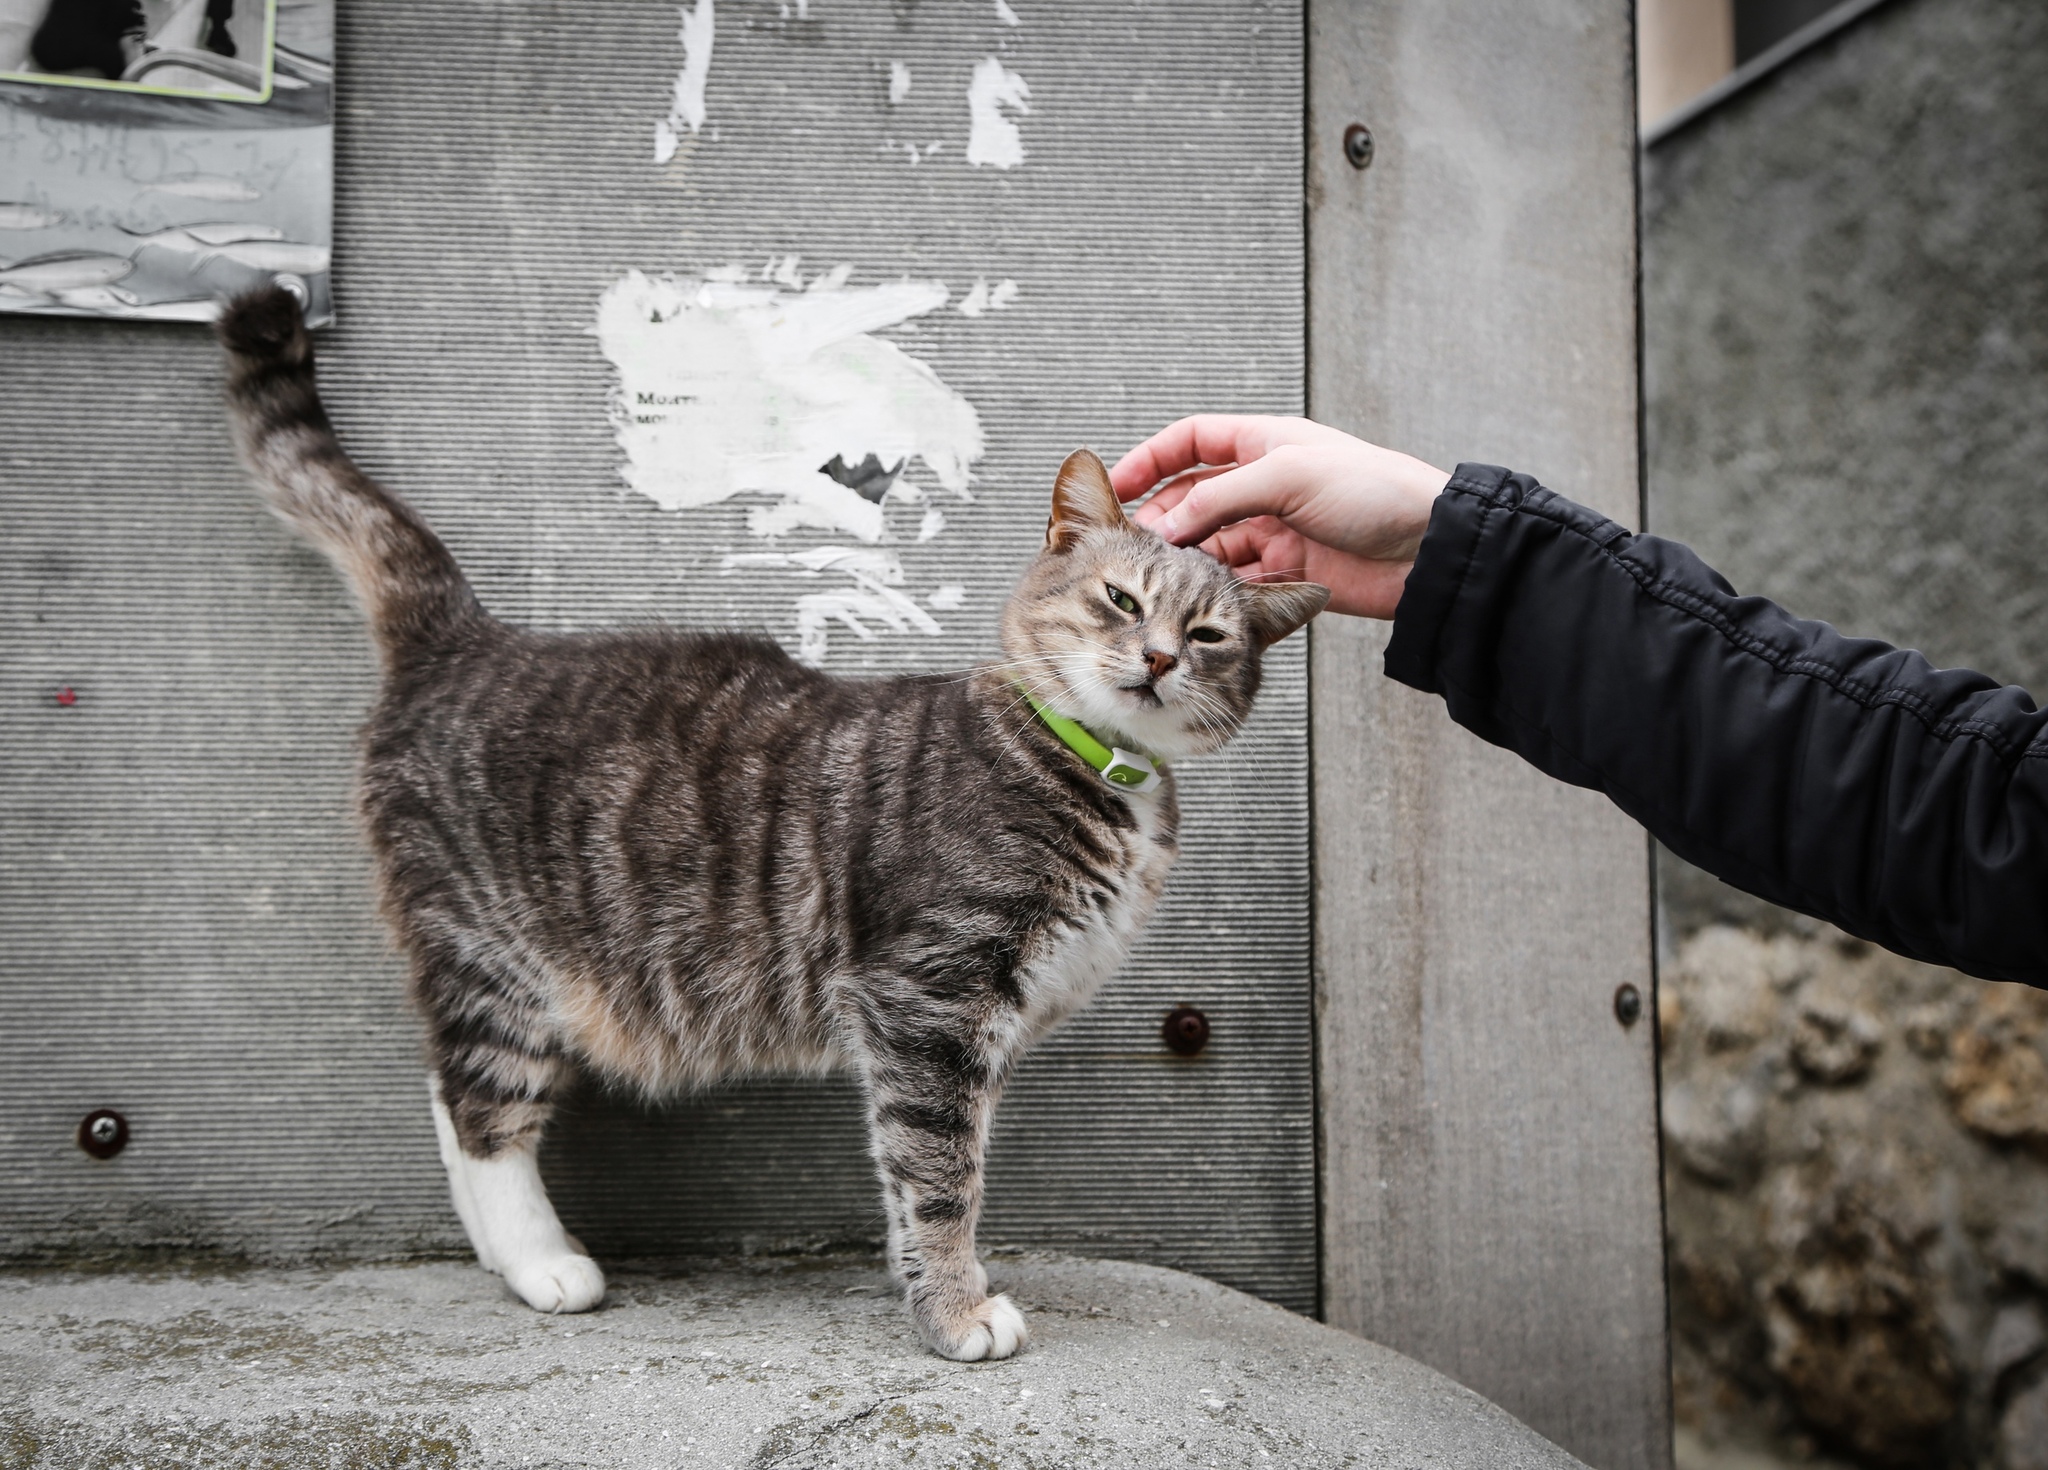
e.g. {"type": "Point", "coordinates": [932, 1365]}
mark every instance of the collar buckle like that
{"type": "Point", "coordinates": [1126, 770]}
{"type": "Point", "coordinates": [1129, 771]}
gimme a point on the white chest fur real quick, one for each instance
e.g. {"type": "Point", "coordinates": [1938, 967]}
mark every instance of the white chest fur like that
{"type": "Point", "coordinates": [1063, 974]}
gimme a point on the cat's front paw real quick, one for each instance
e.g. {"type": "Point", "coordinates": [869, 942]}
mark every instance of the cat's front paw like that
{"type": "Point", "coordinates": [563, 1283]}
{"type": "Point", "coordinates": [992, 1328]}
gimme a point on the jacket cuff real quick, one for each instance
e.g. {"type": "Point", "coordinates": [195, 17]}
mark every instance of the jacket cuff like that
{"type": "Point", "coordinates": [1449, 546]}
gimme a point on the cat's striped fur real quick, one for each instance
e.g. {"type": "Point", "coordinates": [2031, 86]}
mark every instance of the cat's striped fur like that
{"type": "Point", "coordinates": [670, 858]}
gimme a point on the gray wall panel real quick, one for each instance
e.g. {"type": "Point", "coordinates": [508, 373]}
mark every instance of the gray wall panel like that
{"type": "Point", "coordinates": [188, 925]}
{"type": "Point", "coordinates": [1490, 1180]}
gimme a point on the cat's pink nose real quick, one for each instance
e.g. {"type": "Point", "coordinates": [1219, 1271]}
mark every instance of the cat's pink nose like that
{"type": "Point", "coordinates": [1159, 661]}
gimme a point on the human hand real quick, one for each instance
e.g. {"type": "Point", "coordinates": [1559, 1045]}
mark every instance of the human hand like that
{"type": "Point", "coordinates": [1287, 500]}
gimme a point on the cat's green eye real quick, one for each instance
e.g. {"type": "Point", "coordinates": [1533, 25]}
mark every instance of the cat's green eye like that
{"type": "Point", "coordinates": [1206, 635]}
{"type": "Point", "coordinates": [1123, 600]}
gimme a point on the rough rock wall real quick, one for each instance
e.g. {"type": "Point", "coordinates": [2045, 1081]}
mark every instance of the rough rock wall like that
{"type": "Point", "coordinates": [1846, 359]}
{"type": "Point", "coordinates": [1857, 1192]}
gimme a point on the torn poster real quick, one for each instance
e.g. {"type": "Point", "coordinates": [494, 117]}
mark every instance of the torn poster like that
{"type": "Point", "coordinates": [993, 137]}
{"type": "Point", "coordinates": [700, 28]}
{"type": "Point", "coordinates": [157, 156]}
{"type": "Point", "coordinates": [780, 388]}
{"type": "Point", "coordinates": [772, 386]}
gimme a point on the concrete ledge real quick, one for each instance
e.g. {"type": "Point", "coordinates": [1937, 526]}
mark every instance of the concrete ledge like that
{"type": "Point", "coordinates": [791, 1363]}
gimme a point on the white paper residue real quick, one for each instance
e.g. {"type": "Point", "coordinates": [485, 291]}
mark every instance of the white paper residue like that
{"type": "Point", "coordinates": [688, 108]}
{"type": "Point", "coordinates": [899, 82]}
{"type": "Point", "coordinates": [727, 387]}
{"type": "Point", "coordinates": [20, 216]}
{"type": "Point", "coordinates": [992, 138]}
{"type": "Point", "coordinates": [981, 298]}
{"type": "Point", "coordinates": [876, 576]}
{"type": "Point", "coordinates": [1006, 15]}
{"type": "Point", "coordinates": [910, 150]}
{"type": "Point", "coordinates": [948, 597]}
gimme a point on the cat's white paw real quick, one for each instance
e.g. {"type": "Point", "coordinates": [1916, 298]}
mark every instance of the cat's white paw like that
{"type": "Point", "coordinates": [562, 1283]}
{"type": "Point", "coordinates": [994, 1329]}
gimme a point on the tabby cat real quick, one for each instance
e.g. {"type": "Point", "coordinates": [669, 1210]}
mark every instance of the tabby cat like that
{"type": "Point", "coordinates": [669, 858]}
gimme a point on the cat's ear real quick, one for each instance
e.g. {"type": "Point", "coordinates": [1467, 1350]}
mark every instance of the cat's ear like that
{"type": "Point", "coordinates": [1276, 609]}
{"type": "Point", "coordinates": [1082, 501]}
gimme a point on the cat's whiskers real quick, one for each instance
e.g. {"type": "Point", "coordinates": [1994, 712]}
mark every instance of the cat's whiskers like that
{"type": "Point", "coordinates": [1035, 690]}
{"type": "Point", "coordinates": [1206, 712]}
{"type": "Point", "coordinates": [1001, 665]}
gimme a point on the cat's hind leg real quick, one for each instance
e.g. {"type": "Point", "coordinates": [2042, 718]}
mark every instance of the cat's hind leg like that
{"type": "Point", "coordinates": [497, 1066]}
{"type": "Point", "coordinates": [514, 1228]}
{"type": "Point", "coordinates": [929, 1104]}
{"type": "Point", "coordinates": [457, 1165]}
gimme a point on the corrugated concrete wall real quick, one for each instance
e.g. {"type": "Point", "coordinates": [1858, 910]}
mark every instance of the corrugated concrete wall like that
{"type": "Point", "coordinates": [187, 925]}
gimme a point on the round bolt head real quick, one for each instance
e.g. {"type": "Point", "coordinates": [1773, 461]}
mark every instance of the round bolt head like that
{"type": "Point", "coordinates": [1358, 145]}
{"type": "Point", "coordinates": [1186, 1031]}
{"type": "Point", "coordinates": [103, 1133]}
{"type": "Point", "coordinates": [1628, 1005]}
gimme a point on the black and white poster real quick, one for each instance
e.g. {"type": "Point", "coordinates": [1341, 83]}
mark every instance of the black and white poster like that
{"type": "Point", "coordinates": [157, 156]}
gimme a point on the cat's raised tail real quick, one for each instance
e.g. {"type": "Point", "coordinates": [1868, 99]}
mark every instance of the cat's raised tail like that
{"type": "Point", "coordinates": [407, 581]}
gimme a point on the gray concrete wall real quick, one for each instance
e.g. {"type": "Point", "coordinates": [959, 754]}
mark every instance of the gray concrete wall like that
{"type": "Point", "coordinates": [1845, 306]}
{"type": "Point", "coordinates": [1845, 311]}
{"type": "Point", "coordinates": [1489, 1157]}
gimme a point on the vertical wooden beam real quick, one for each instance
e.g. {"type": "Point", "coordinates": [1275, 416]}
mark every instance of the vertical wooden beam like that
{"type": "Point", "coordinates": [1490, 1188]}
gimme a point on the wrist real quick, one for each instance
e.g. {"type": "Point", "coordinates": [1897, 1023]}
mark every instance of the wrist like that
{"type": "Point", "coordinates": [1417, 487]}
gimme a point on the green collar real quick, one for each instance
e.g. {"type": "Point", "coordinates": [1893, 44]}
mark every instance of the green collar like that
{"type": "Point", "coordinates": [1126, 770]}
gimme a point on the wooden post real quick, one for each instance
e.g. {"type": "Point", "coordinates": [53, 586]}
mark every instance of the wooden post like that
{"type": "Point", "coordinates": [1490, 1189]}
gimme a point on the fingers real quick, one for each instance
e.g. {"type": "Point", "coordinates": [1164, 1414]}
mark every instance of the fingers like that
{"type": "Point", "coordinates": [1204, 439]}
{"type": "Point", "coordinates": [1173, 492]}
{"type": "Point", "coordinates": [1256, 548]}
{"type": "Point", "coordinates": [1262, 488]}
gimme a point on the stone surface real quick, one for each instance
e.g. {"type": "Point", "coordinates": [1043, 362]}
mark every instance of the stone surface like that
{"type": "Point", "coordinates": [1856, 1192]}
{"type": "Point", "coordinates": [2023, 1431]}
{"type": "Point", "coordinates": [787, 1363]}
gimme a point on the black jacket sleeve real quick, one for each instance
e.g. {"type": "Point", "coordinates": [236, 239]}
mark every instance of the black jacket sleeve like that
{"type": "Point", "coordinates": [1837, 776]}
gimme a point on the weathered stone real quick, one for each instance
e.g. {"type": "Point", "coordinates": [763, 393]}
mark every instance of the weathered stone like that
{"type": "Point", "coordinates": [1927, 1029]}
{"type": "Point", "coordinates": [1855, 1271]}
{"type": "Point", "coordinates": [2017, 1336]}
{"type": "Point", "coordinates": [2019, 1242]}
{"type": "Point", "coordinates": [793, 1364]}
{"type": "Point", "coordinates": [1729, 986]}
{"type": "Point", "coordinates": [1716, 1131]}
{"type": "Point", "coordinates": [1853, 1335]}
{"type": "Point", "coordinates": [1997, 1078]}
{"type": "Point", "coordinates": [1834, 1043]}
{"type": "Point", "coordinates": [2023, 1430]}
